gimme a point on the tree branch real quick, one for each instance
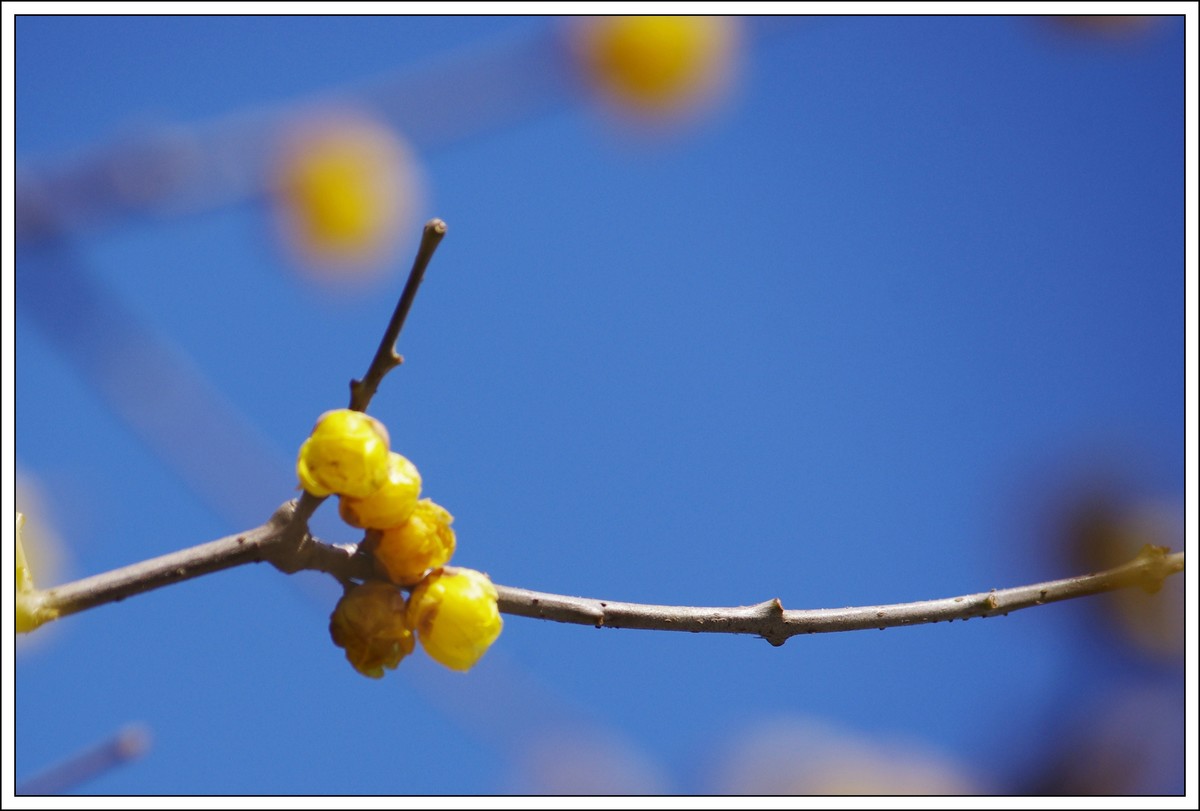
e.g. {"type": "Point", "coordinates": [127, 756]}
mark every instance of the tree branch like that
{"type": "Point", "coordinates": [271, 542]}
{"type": "Point", "coordinates": [285, 542]}
{"type": "Point", "coordinates": [772, 622]}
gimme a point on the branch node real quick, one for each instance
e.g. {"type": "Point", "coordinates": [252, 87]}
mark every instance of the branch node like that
{"type": "Point", "coordinates": [292, 559]}
{"type": "Point", "coordinates": [1155, 568]}
{"type": "Point", "coordinates": [769, 610]}
{"type": "Point", "coordinates": [776, 639]}
{"type": "Point", "coordinates": [283, 515]}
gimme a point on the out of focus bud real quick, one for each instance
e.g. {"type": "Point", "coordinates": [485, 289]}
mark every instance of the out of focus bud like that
{"type": "Point", "coordinates": [347, 454]}
{"type": "Point", "coordinates": [24, 576]}
{"type": "Point", "coordinates": [30, 611]}
{"type": "Point", "coordinates": [423, 542]}
{"type": "Point", "coordinates": [809, 757]}
{"type": "Point", "coordinates": [656, 65]}
{"type": "Point", "coordinates": [390, 505]}
{"type": "Point", "coordinates": [342, 190]}
{"type": "Point", "coordinates": [455, 615]}
{"type": "Point", "coordinates": [45, 554]}
{"type": "Point", "coordinates": [1108, 529]}
{"type": "Point", "coordinates": [370, 623]}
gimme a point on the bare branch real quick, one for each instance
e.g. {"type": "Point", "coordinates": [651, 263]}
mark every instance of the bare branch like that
{"type": "Point", "coordinates": [273, 542]}
{"type": "Point", "coordinates": [775, 624]}
{"type": "Point", "coordinates": [263, 543]}
{"type": "Point", "coordinates": [276, 542]}
{"type": "Point", "coordinates": [386, 358]}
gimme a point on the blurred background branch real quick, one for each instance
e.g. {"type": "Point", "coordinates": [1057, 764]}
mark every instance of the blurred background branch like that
{"type": "Point", "coordinates": [129, 743]}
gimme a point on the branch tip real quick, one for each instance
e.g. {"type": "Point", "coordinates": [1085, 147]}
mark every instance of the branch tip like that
{"type": "Point", "coordinates": [1156, 564]}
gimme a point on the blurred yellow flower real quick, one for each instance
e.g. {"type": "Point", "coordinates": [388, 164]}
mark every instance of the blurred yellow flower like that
{"type": "Point", "coordinates": [45, 553]}
{"type": "Point", "coordinates": [370, 623]}
{"type": "Point", "coordinates": [656, 64]}
{"type": "Point", "coordinates": [390, 505]}
{"type": "Point", "coordinates": [342, 190]}
{"type": "Point", "coordinates": [24, 576]}
{"type": "Point", "coordinates": [347, 454]}
{"type": "Point", "coordinates": [30, 611]}
{"type": "Point", "coordinates": [425, 541]}
{"type": "Point", "coordinates": [455, 615]}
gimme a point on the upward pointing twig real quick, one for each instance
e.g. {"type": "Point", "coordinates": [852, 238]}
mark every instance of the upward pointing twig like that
{"type": "Point", "coordinates": [386, 358]}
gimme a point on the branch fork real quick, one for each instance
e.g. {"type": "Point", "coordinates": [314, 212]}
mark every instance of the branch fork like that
{"type": "Point", "coordinates": [284, 541]}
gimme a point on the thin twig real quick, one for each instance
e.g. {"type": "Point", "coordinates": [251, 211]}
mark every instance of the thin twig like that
{"type": "Point", "coordinates": [772, 622]}
{"type": "Point", "coordinates": [768, 619]}
{"type": "Point", "coordinates": [386, 357]}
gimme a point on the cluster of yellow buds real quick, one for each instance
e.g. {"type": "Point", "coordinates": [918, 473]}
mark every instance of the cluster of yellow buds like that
{"type": "Point", "coordinates": [453, 612]}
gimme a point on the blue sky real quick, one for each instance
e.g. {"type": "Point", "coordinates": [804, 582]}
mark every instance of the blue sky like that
{"type": "Point", "coordinates": [862, 335]}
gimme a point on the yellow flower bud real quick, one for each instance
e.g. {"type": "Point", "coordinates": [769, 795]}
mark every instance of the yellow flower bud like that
{"type": "Point", "coordinates": [347, 453]}
{"type": "Point", "coordinates": [391, 504]}
{"type": "Point", "coordinates": [423, 542]}
{"type": "Point", "coordinates": [656, 64]}
{"type": "Point", "coordinates": [370, 622]}
{"type": "Point", "coordinates": [455, 615]}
